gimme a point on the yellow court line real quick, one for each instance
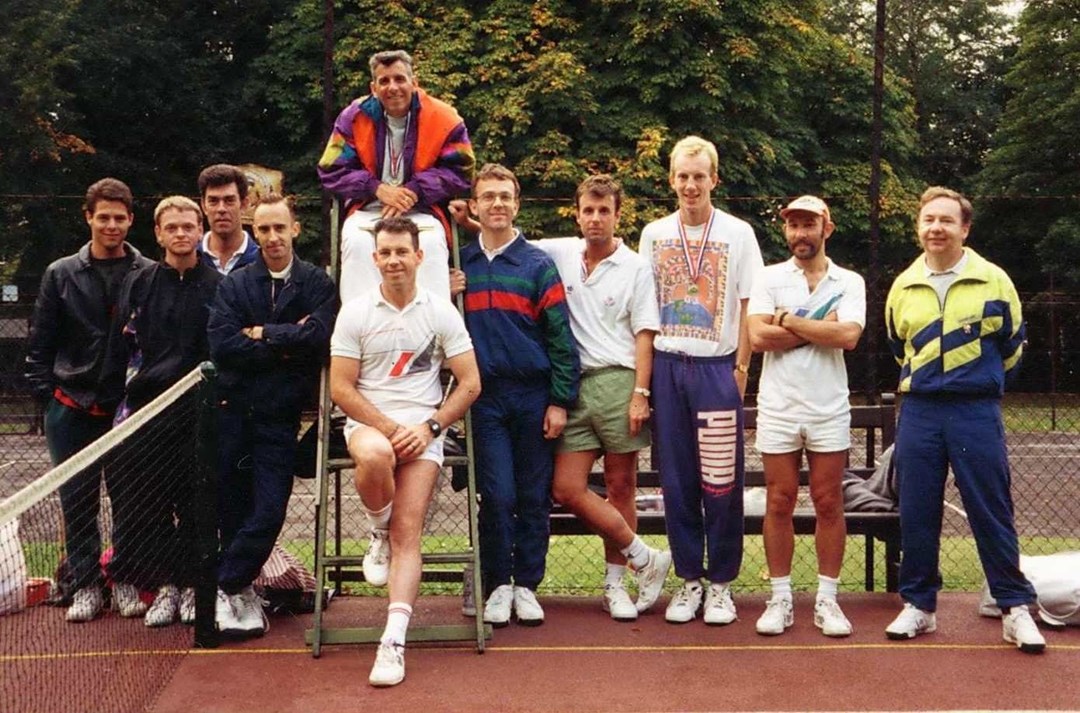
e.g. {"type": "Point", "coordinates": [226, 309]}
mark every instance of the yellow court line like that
{"type": "Point", "coordinates": [13, 658]}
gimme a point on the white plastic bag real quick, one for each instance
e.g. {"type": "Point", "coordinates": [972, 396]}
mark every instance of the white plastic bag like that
{"type": "Point", "coordinates": [12, 569]}
{"type": "Point", "coordinates": [1056, 579]}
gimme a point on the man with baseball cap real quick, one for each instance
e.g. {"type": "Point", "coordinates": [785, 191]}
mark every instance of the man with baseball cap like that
{"type": "Point", "coordinates": [803, 314]}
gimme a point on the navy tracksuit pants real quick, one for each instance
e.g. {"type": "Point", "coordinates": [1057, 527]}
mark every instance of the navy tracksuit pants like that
{"type": "Point", "coordinates": [257, 460]}
{"type": "Point", "coordinates": [698, 439]}
{"type": "Point", "coordinates": [514, 464]}
{"type": "Point", "coordinates": [967, 433]}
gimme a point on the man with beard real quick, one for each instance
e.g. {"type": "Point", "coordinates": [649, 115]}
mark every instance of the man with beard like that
{"type": "Point", "coordinates": [803, 314]}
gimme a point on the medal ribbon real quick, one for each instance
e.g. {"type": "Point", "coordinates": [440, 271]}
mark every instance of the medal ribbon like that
{"type": "Point", "coordinates": [397, 158]}
{"type": "Point", "coordinates": [694, 266]}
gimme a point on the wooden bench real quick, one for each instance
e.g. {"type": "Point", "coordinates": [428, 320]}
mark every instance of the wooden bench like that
{"type": "Point", "coordinates": [878, 427]}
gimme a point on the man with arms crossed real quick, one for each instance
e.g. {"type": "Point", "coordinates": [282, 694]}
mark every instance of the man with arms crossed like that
{"type": "Point", "coordinates": [224, 193]}
{"type": "Point", "coordinates": [515, 309]}
{"type": "Point", "coordinates": [68, 367]}
{"type": "Point", "coordinates": [803, 314]}
{"type": "Point", "coordinates": [704, 261]}
{"type": "Point", "coordinates": [954, 325]}
{"type": "Point", "coordinates": [386, 353]}
{"type": "Point", "coordinates": [269, 330]}
{"type": "Point", "coordinates": [613, 315]}
{"type": "Point", "coordinates": [397, 151]}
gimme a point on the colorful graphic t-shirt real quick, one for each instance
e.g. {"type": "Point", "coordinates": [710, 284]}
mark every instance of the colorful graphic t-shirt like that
{"type": "Point", "coordinates": [702, 273]}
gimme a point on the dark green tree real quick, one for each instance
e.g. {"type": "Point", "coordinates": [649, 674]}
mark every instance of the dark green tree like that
{"type": "Point", "coordinates": [1032, 176]}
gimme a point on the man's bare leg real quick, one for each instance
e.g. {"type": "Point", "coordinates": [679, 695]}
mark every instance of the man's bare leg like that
{"type": "Point", "coordinates": [620, 480]}
{"type": "Point", "coordinates": [782, 491]}
{"type": "Point", "coordinates": [826, 490]}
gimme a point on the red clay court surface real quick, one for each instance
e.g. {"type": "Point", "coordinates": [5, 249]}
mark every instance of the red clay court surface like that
{"type": "Point", "coordinates": [580, 660]}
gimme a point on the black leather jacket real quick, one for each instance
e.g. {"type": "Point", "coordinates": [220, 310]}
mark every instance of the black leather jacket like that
{"type": "Point", "coordinates": [73, 331]}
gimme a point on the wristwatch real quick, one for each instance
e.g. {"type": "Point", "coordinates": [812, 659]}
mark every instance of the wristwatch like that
{"type": "Point", "coordinates": [436, 429]}
{"type": "Point", "coordinates": [742, 368]}
{"type": "Point", "coordinates": [643, 391]}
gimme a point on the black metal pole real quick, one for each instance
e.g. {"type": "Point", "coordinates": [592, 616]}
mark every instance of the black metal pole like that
{"type": "Point", "coordinates": [205, 509]}
{"type": "Point", "coordinates": [873, 278]}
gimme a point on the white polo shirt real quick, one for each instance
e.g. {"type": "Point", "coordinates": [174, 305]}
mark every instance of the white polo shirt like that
{"type": "Point", "coordinates": [609, 306]}
{"type": "Point", "coordinates": [400, 351]}
{"type": "Point", "coordinates": [700, 316]}
{"type": "Point", "coordinates": [807, 383]}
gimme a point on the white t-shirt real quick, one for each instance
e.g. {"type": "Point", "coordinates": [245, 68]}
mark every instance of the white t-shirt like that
{"type": "Point", "coordinates": [701, 317]}
{"type": "Point", "coordinates": [807, 383]}
{"type": "Point", "coordinates": [400, 351]}
{"type": "Point", "coordinates": [609, 306]}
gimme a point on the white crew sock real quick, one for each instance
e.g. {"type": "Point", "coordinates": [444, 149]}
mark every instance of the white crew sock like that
{"type": "Point", "coordinates": [379, 519]}
{"type": "Point", "coordinates": [781, 587]}
{"type": "Point", "coordinates": [613, 574]}
{"type": "Point", "coordinates": [637, 553]}
{"type": "Point", "coordinates": [827, 586]}
{"type": "Point", "coordinates": [397, 623]}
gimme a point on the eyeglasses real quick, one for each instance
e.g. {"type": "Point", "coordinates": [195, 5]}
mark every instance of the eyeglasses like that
{"type": "Point", "coordinates": [489, 198]}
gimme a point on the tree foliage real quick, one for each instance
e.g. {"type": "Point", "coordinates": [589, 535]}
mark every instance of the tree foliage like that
{"type": "Point", "coordinates": [555, 89]}
{"type": "Point", "coordinates": [1036, 150]}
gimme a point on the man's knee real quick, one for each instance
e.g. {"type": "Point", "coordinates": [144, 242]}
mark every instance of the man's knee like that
{"type": "Point", "coordinates": [370, 454]}
{"type": "Point", "coordinates": [780, 501]}
{"type": "Point", "coordinates": [567, 489]}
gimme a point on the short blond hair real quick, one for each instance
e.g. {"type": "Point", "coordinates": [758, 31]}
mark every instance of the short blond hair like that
{"type": "Point", "coordinates": [693, 146]}
{"type": "Point", "coordinates": [180, 203]}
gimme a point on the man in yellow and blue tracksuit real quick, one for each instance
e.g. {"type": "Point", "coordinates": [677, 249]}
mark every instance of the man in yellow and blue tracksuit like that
{"type": "Point", "coordinates": [954, 325]}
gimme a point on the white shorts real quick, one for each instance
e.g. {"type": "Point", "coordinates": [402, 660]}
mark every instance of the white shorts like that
{"type": "Point", "coordinates": [777, 435]}
{"type": "Point", "coordinates": [434, 452]}
{"type": "Point", "coordinates": [358, 271]}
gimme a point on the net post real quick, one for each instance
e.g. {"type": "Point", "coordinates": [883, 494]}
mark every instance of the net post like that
{"type": "Point", "coordinates": [204, 509]}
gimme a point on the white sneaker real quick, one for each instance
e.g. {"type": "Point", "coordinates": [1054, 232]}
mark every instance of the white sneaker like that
{"type": "Point", "coordinates": [911, 622]}
{"type": "Point", "coordinates": [498, 606]}
{"type": "Point", "coordinates": [526, 608]}
{"type": "Point", "coordinates": [684, 606]}
{"type": "Point", "coordinates": [829, 617]}
{"type": "Point", "coordinates": [126, 600]}
{"type": "Point", "coordinates": [187, 605]}
{"type": "Point", "coordinates": [778, 616]}
{"type": "Point", "coordinates": [617, 602]}
{"type": "Point", "coordinates": [86, 605]}
{"type": "Point", "coordinates": [250, 616]}
{"type": "Point", "coordinates": [377, 558]}
{"type": "Point", "coordinates": [1017, 627]}
{"type": "Point", "coordinates": [719, 606]}
{"type": "Point", "coordinates": [225, 616]}
{"type": "Point", "coordinates": [389, 668]}
{"type": "Point", "coordinates": [165, 607]}
{"type": "Point", "coordinates": [650, 578]}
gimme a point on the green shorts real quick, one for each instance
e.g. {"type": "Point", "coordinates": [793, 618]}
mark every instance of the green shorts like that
{"type": "Point", "coordinates": [600, 420]}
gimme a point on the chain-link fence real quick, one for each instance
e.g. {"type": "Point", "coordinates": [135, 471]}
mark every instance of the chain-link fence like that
{"type": "Point", "coordinates": [1042, 414]}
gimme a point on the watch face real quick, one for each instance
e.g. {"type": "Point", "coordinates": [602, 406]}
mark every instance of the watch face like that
{"type": "Point", "coordinates": [434, 426]}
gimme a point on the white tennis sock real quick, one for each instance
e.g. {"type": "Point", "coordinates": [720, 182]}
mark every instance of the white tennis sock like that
{"type": "Point", "coordinates": [379, 519]}
{"type": "Point", "coordinates": [397, 623]}
{"type": "Point", "coordinates": [613, 574]}
{"type": "Point", "coordinates": [781, 587]}
{"type": "Point", "coordinates": [826, 587]}
{"type": "Point", "coordinates": [637, 552]}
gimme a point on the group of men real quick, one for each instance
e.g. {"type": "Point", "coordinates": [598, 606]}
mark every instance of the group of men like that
{"type": "Point", "coordinates": [581, 343]}
{"type": "Point", "coordinates": [569, 350]}
{"type": "Point", "coordinates": [112, 330]}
